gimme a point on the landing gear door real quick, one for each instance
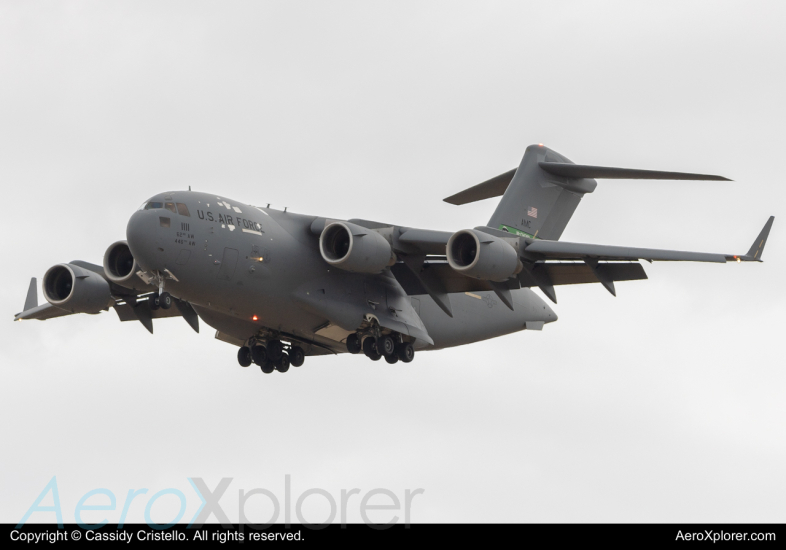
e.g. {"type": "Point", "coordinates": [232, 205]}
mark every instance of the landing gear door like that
{"type": "Point", "coordinates": [375, 296]}
{"type": "Point", "coordinates": [228, 265]}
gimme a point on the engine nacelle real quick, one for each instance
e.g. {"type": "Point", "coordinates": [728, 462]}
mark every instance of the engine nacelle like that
{"type": "Point", "coordinates": [482, 256]}
{"type": "Point", "coordinates": [354, 248]}
{"type": "Point", "coordinates": [120, 267]}
{"type": "Point", "coordinates": [76, 289]}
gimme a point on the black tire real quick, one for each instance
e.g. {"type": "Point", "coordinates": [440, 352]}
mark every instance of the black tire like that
{"type": "Point", "coordinates": [283, 364]}
{"type": "Point", "coordinates": [259, 355]}
{"type": "Point", "coordinates": [370, 349]}
{"type": "Point", "coordinates": [244, 356]}
{"type": "Point", "coordinates": [267, 367]}
{"type": "Point", "coordinates": [353, 344]}
{"type": "Point", "coordinates": [386, 346]}
{"type": "Point", "coordinates": [152, 301]}
{"type": "Point", "coordinates": [406, 352]}
{"type": "Point", "coordinates": [297, 356]}
{"type": "Point", "coordinates": [165, 300]}
{"type": "Point", "coordinates": [392, 359]}
{"type": "Point", "coordinates": [275, 350]}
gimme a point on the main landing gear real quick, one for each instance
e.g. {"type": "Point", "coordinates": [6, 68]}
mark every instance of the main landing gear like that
{"type": "Point", "coordinates": [391, 347]}
{"type": "Point", "coordinates": [273, 356]}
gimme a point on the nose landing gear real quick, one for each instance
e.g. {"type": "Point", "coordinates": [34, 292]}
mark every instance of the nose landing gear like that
{"type": "Point", "coordinates": [163, 301]}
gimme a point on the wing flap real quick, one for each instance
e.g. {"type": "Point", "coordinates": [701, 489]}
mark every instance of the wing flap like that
{"type": "Point", "coordinates": [581, 273]}
{"type": "Point", "coordinates": [564, 273]}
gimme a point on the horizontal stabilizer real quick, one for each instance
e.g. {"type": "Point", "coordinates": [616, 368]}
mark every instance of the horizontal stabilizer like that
{"type": "Point", "coordinates": [495, 187]}
{"type": "Point", "coordinates": [580, 171]}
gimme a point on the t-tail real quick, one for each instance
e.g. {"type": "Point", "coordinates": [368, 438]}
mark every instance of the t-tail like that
{"type": "Point", "coordinates": [541, 195]}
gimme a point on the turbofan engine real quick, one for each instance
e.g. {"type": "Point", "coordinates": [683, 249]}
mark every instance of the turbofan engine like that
{"type": "Point", "coordinates": [120, 267]}
{"type": "Point", "coordinates": [482, 256]}
{"type": "Point", "coordinates": [354, 248]}
{"type": "Point", "coordinates": [76, 289]}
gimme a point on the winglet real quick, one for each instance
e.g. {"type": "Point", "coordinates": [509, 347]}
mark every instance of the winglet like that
{"type": "Point", "coordinates": [758, 245]}
{"type": "Point", "coordinates": [757, 248]}
{"type": "Point", "coordinates": [32, 296]}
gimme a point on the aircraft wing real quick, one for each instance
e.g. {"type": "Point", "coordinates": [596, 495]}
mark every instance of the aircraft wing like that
{"type": "Point", "coordinates": [547, 250]}
{"type": "Point", "coordinates": [546, 264]}
{"type": "Point", "coordinates": [129, 305]}
{"type": "Point", "coordinates": [42, 312]}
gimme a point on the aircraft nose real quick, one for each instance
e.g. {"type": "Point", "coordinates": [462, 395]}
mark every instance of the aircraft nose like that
{"type": "Point", "coordinates": [142, 237]}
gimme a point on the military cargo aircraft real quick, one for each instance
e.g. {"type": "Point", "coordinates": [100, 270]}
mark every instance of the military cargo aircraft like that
{"type": "Point", "coordinates": [283, 286]}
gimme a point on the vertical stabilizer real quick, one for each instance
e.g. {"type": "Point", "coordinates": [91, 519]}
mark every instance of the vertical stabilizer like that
{"type": "Point", "coordinates": [537, 203]}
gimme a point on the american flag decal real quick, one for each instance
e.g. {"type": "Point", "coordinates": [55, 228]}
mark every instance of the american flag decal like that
{"type": "Point", "coordinates": [532, 212]}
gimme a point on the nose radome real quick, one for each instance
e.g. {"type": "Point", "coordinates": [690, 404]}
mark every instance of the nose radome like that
{"type": "Point", "coordinates": [141, 237]}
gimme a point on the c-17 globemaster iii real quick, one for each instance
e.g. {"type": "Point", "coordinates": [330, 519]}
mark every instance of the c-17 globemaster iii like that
{"type": "Point", "coordinates": [282, 286]}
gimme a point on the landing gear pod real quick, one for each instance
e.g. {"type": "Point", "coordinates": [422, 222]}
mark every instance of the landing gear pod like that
{"type": "Point", "coordinates": [76, 289]}
{"type": "Point", "coordinates": [482, 256]}
{"type": "Point", "coordinates": [354, 248]}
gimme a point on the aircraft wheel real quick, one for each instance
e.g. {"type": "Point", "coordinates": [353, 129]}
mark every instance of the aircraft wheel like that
{"type": "Point", "coordinates": [283, 364]}
{"type": "Point", "coordinates": [370, 349]}
{"type": "Point", "coordinates": [165, 300]}
{"type": "Point", "coordinates": [386, 346]}
{"type": "Point", "coordinates": [406, 352]}
{"type": "Point", "coordinates": [297, 356]}
{"type": "Point", "coordinates": [244, 356]}
{"type": "Point", "coordinates": [267, 367]}
{"type": "Point", "coordinates": [275, 350]}
{"type": "Point", "coordinates": [392, 359]}
{"type": "Point", "coordinates": [259, 355]}
{"type": "Point", "coordinates": [353, 344]}
{"type": "Point", "coordinates": [152, 300]}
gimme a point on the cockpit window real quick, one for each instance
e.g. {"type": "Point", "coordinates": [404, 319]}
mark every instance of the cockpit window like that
{"type": "Point", "coordinates": [152, 205]}
{"type": "Point", "coordinates": [182, 209]}
{"type": "Point", "coordinates": [171, 207]}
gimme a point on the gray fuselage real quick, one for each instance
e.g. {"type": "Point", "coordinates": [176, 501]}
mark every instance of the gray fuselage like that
{"type": "Point", "coordinates": [245, 268]}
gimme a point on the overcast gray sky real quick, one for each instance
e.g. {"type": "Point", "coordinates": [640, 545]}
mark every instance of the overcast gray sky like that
{"type": "Point", "coordinates": [663, 404]}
